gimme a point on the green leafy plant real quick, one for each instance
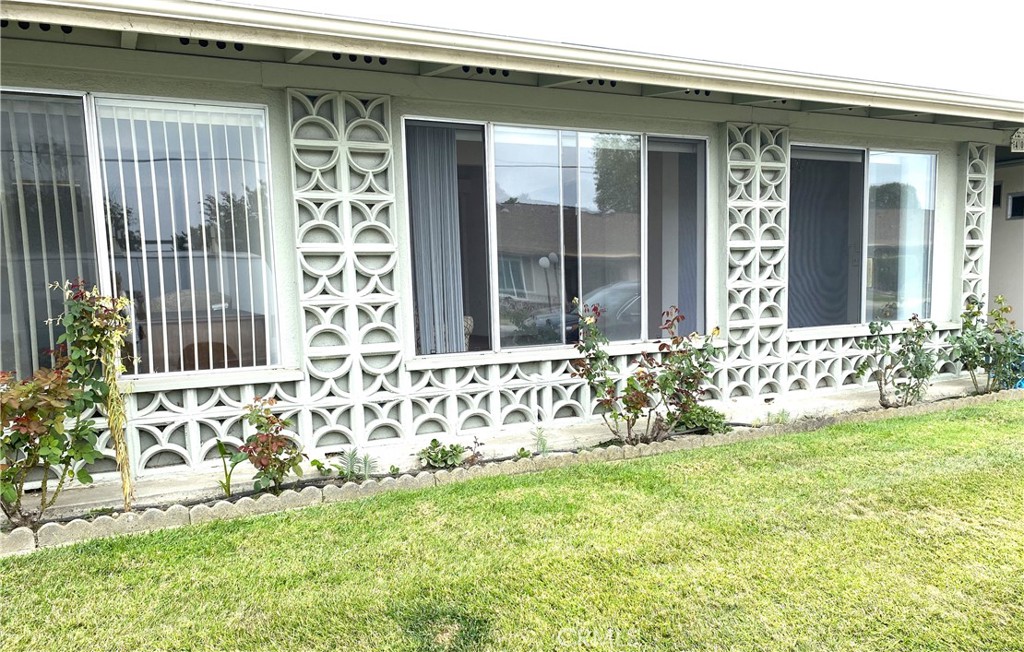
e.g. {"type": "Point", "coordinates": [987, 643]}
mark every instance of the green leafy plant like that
{"type": "Point", "coordinates": [661, 394]}
{"type": "Point", "coordinates": [540, 441]}
{"type": "Point", "coordinates": [394, 470]}
{"type": "Point", "coordinates": [90, 349]}
{"type": "Point", "coordinates": [44, 422]}
{"type": "Point", "coordinates": [773, 418]}
{"type": "Point", "coordinates": [523, 454]}
{"type": "Point", "coordinates": [685, 367]}
{"type": "Point", "coordinates": [228, 460]}
{"type": "Point", "coordinates": [367, 466]}
{"type": "Point", "coordinates": [350, 465]}
{"type": "Point", "coordinates": [273, 454]}
{"type": "Point", "coordinates": [42, 428]}
{"type": "Point", "coordinates": [438, 456]}
{"type": "Point", "coordinates": [993, 344]}
{"type": "Point", "coordinates": [899, 363]}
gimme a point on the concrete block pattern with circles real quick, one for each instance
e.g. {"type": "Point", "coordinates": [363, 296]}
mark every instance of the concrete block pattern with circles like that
{"type": "Point", "coordinates": [356, 387]}
{"type": "Point", "coordinates": [977, 220]}
{"type": "Point", "coordinates": [757, 204]}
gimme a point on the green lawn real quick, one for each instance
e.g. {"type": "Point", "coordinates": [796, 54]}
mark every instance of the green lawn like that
{"type": "Point", "coordinates": [899, 535]}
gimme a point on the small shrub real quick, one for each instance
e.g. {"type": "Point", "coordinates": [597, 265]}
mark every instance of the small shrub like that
{"type": "Point", "coordinates": [993, 345]}
{"type": "Point", "coordinates": [703, 418]}
{"type": "Point", "coordinates": [42, 422]}
{"type": "Point", "coordinates": [437, 456]}
{"type": "Point", "coordinates": [899, 363]}
{"type": "Point", "coordinates": [41, 427]}
{"type": "Point", "coordinates": [273, 454]}
{"type": "Point", "coordinates": [394, 470]}
{"type": "Point", "coordinates": [661, 395]}
{"type": "Point", "coordinates": [523, 454]}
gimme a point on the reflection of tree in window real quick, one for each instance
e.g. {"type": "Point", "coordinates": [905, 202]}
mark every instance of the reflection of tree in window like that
{"type": "Point", "coordinates": [227, 223]}
{"type": "Point", "coordinates": [894, 195]}
{"type": "Point", "coordinates": [124, 228]}
{"type": "Point", "coordinates": [617, 169]}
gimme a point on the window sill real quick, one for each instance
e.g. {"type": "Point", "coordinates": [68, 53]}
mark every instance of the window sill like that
{"type": "Point", "coordinates": [514, 356]}
{"type": "Point", "coordinates": [852, 330]}
{"type": "Point", "coordinates": [202, 379]}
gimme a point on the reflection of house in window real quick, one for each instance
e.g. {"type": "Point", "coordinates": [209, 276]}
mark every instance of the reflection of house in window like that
{"type": "Point", "coordinates": [511, 281]}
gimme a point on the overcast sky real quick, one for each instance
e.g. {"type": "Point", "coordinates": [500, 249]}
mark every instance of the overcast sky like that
{"type": "Point", "coordinates": [974, 46]}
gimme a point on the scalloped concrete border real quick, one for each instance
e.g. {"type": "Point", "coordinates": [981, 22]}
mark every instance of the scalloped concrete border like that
{"type": "Point", "coordinates": [22, 540]}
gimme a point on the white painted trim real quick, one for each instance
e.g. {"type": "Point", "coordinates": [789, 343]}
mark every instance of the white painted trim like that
{"type": "Point", "coordinates": [198, 379]}
{"type": "Point", "coordinates": [287, 28]}
{"type": "Point", "coordinates": [522, 354]}
{"type": "Point", "coordinates": [852, 330]}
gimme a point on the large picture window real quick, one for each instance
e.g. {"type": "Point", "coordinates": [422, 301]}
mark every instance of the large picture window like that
{"type": "Point", "coordinates": [567, 222]}
{"type": "Point", "coordinates": [860, 234]}
{"type": "Point", "coordinates": [184, 221]}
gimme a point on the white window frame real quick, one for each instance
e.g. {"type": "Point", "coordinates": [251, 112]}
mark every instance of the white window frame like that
{"type": "Point", "coordinates": [424, 361]}
{"type": "Point", "coordinates": [862, 327]}
{"type": "Point", "coordinates": [155, 381]}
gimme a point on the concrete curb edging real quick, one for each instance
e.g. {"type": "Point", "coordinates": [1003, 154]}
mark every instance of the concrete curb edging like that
{"type": "Point", "coordinates": [23, 540]}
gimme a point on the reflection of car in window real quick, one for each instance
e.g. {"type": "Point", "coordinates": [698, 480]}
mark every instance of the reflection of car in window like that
{"type": "Point", "coordinates": [620, 318]}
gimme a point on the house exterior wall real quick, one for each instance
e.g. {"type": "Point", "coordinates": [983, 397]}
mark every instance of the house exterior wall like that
{"type": "Point", "coordinates": [1008, 240]}
{"type": "Point", "coordinates": [349, 374]}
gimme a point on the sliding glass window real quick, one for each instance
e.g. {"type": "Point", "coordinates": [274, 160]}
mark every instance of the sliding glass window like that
{"type": "Point", "coordinates": [675, 231]}
{"type": "Point", "coordinates": [826, 236]}
{"type": "Point", "coordinates": [567, 224]}
{"type": "Point", "coordinates": [848, 265]}
{"type": "Point", "coordinates": [901, 215]}
{"type": "Point", "coordinates": [46, 228]}
{"type": "Point", "coordinates": [528, 189]}
{"type": "Point", "coordinates": [448, 215]}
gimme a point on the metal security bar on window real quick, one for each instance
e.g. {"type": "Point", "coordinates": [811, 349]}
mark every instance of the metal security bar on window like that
{"type": "Point", "coordinates": [186, 202]}
{"type": "Point", "coordinates": [46, 232]}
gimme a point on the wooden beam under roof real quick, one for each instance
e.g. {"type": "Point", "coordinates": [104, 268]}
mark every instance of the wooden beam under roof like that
{"type": "Point", "coordinates": [129, 40]}
{"type": "Point", "coordinates": [434, 69]}
{"type": "Point", "coordinates": [297, 56]}
{"type": "Point", "coordinates": [896, 114]}
{"type": "Point", "coordinates": [557, 81]}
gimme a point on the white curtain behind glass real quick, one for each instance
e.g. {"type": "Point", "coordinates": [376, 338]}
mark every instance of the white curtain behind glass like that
{"type": "Point", "coordinates": [434, 213]}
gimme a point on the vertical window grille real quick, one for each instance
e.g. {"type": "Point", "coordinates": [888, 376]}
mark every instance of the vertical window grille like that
{"type": "Point", "coordinates": [186, 204]}
{"type": "Point", "coordinates": [46, 227]}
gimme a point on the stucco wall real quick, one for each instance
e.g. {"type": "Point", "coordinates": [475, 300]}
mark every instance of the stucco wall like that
{"type": "Point", "coordinates": [1008, 240]}
{"type": "Point", "coordinates": [389, 410]}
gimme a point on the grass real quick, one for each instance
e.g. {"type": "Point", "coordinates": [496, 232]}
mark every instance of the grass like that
{"type": "Point", "coordinates": [905, 534]}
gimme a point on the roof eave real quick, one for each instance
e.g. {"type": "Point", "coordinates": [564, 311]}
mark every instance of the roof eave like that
{"type": "Point", "coordinates": [289, 29]}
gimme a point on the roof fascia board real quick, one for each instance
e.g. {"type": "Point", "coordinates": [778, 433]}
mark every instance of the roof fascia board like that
{"type": "Point", "coordinates": [452, 94]}
{"type": "Point", "coordinates": [300, 31]}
